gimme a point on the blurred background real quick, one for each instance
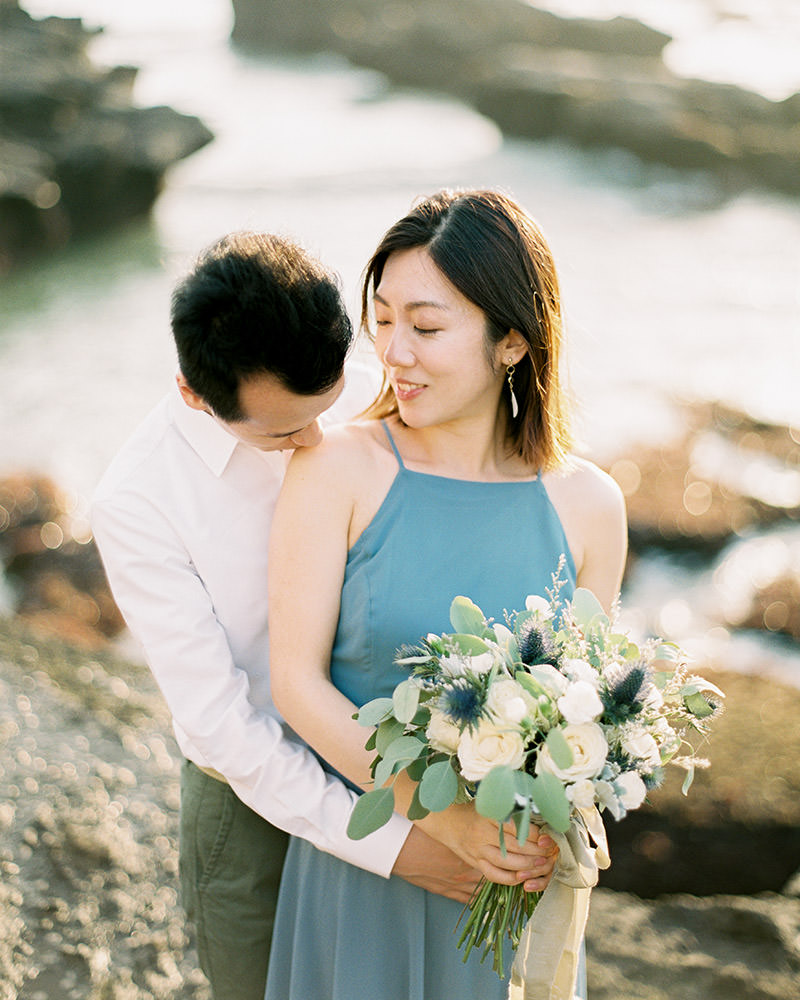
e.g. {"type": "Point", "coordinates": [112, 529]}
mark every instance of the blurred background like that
{"type": "Point", "coordinates": [661, 156]}
{"type": "Point", "coordinates": [680, 282]}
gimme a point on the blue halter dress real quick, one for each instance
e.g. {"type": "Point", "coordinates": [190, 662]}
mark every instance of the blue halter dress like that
{"type": "Point", "coordinates": [342, 933]}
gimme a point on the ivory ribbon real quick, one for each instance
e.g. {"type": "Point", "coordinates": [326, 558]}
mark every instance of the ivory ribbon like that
{"type": "Point", "coordinates": [546, 963]}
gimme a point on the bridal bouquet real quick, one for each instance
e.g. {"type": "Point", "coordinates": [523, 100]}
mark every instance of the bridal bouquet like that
{"type": "Point", "coordinates": [550, 714]}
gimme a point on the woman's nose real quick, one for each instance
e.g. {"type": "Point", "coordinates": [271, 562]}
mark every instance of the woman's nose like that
{"type": "Point", "coordinates": [397, 352]}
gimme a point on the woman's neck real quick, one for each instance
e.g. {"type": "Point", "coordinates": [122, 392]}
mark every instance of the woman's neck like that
{"type": "Point", "coordinates": [475, 450]}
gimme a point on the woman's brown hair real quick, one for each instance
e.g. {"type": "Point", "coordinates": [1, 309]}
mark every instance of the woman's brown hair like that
{"type": "Point", "coordinates": [491, 250]}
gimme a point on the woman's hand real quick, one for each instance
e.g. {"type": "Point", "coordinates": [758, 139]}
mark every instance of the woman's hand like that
{"type": "Point", "coordinates": [475, 839]}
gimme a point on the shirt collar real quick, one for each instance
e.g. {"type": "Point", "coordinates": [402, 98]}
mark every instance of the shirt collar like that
{"type": "Point", "coordinates": [208, 437]}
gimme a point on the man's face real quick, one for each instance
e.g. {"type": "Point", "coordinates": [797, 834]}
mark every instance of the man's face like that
{"type": "Point", "coordinates": [276, 419]}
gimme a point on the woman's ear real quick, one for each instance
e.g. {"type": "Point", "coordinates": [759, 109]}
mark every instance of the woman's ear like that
{"type": "Point", "coordinates": [512, 348]}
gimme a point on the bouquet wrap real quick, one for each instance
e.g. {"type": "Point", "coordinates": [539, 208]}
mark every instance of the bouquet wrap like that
{"type": "Point", "coordinates": [546, 962]}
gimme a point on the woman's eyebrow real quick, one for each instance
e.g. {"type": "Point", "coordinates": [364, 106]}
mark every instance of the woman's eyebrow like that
{"type": "Point", "coordinates": [419, 304]}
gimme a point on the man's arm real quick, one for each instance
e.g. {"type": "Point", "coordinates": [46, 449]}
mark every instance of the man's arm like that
{"type": "Point", "coordinates": [169, 611]}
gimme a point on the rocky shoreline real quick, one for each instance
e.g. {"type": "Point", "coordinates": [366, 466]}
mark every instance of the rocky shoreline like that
{"type": "Point", "coordinates": [88, 862]}
{"type": "Point", "coordinates": [78, 156]}
{"type": "Point", "coordinates": [595, 83]}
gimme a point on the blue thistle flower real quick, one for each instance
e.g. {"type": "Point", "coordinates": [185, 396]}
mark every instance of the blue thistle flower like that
{"type": "Point", "coordinates": [537, 645]}
{"type": "Point", "coordinates": [621, 697]}
{"type": "Point", "coordinates": [462, 702]}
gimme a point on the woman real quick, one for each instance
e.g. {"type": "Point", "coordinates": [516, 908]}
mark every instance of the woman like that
{"type": "Point", "coordinates": [457, 482]}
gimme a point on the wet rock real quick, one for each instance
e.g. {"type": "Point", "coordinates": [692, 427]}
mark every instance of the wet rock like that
{"type": "Point", "coordinates": [77, 155]}
{"type": "Point", "coordinates": [594, 82]}
{"type": "Point", "coordinates": [728, 474]}
{"type": "Point", "coordinates": [52, 563]}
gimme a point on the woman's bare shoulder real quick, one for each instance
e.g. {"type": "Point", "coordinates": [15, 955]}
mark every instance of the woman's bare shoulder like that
{"type": "Point", "coordinates": [579, 475]}
{"type": "Point", "coordinates": [346, 452]}
{"type": "Point", "coordinates": [582, 490]}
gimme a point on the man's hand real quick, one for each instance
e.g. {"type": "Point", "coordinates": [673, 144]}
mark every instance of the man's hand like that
{"type": "Point", "coordinates": [425, 862]}
{"type": "Point", "coordinates": [475, 840]}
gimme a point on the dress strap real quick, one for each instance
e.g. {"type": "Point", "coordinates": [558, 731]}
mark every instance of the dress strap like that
{"type": "Point", "coordinates": [397, 454]}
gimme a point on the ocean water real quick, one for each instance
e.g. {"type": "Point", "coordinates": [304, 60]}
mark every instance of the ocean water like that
{"type": "Point", "coordinates": [671, 290]}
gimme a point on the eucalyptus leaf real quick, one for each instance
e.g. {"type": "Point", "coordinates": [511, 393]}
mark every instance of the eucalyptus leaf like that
{"type": "Point", "coordinates": [374, 712]}
{"type": "Point", "coordinates": [470, 645]}
{"type": "Point", "coordinates": [560, 750]}
{"type": "Point", "coordinates": [465, 616]}
{"type": "Point", "coordinates": [372, 811]}
{"type": "Point", "coordinates": [438, 787]}
{"type": "Point", "coordinates": [495, 795]}
{"type": "Point", "coordinates": [416, 809]}
{"type": "Point", "coordinates": [386, 733]}
{"type": "Point", "coordinates": [531, 685]}
{"type": "Point", "coordinates": [552, 802]}
{"type": "Point", "coordinates": [522, 821]}
{"type": "Point", "coordinates": [586, 608]}
{"type": "Point", "coordinates": [687, 781]}
{"type": "Point", "coordinates": [523, 783]}
{"type": "Point", "coordinates": [696, 702]}
{"type": "Point", "coordinates": [372, 740]}
{"type": "Point", "coordinates": [405, 700]}
{"type": "Point", "coordinates": [416, 768]}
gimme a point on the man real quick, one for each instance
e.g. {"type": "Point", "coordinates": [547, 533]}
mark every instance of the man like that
{"type": "Point", "coordinates": [182, 520]}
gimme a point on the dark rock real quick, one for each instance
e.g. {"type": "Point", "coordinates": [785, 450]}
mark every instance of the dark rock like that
{"type": "Point", "coordinates": [52, 563]}
{"type": "Point", "coordinates": [594, 82]}
{"type": "Point", "coordinates": [77, 156]}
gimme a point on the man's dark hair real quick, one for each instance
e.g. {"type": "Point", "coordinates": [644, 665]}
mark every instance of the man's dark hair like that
{"type": "Point", "coordinates": [256, 304]}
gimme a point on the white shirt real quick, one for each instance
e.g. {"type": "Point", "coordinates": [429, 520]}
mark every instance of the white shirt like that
{"type": "Point", "coordinates": [182, 520]}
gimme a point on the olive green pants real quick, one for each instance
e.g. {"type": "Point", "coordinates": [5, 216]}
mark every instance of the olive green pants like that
{"type": "Point", "coordinates": [230, 871]}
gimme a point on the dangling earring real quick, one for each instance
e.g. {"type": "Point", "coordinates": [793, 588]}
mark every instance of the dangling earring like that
{"type": "Point", "coordinates": [510, 376]}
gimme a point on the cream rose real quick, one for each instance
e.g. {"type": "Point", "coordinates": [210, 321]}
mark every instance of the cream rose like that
{"type": "Point", "coordinates": [581, 794]}
{"type": "Point", "coordinates": [580, 703]}
{"type": "Point", "coordinates": [442, 733]}
{"type": "Point", "coordinates": [641, 746]}
{"type": "Point", "coordinates": [486, 746]}
{"type": "Point", "coordinates": [631, 790]}
{"type": "Point", "coordinates": [580, 670]}
{"type": "Point", "coordinates": [509, 702]}
{"type": "Point", "coordinates": [589, 748]}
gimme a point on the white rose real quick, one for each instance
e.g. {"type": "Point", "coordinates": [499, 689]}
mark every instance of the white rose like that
{"type": "Point", "coordinates": [581, 794]}
{"type": "Point", "coordinates": [580, 703]}
{"type": "Point", "coordinates": [589, 748]}
{"type": "Point", "coordinates": [442, 733]}
{"type": "Point", "coordinates": [482, 663]}
{"type": "Point", "coordinates": [580, 670]}
{"type": "Point", "coordinates": [631, 790]}
{"type": "Point", "coordinates": [486, 746]}
{"type": "Point", "coordinates": [535, 603]}
{"type": "Point", "coordinates": [641, 746]}
{"type": "Point", "coordinates": [508, 702]}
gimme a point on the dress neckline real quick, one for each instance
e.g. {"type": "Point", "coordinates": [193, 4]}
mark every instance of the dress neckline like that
{"type": "Point", "coordinates": [453, 479]}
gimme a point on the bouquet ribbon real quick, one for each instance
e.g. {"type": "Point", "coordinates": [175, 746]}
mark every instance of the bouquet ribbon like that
{"type": "Point", "coordinates": [546, 963]}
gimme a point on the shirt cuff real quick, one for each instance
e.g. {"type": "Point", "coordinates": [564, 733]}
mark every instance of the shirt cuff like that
{"type": "Point", "coordinates": [378, 851]}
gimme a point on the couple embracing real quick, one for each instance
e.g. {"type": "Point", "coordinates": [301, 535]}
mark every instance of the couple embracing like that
{"type": "Point", "coordinates": [271, 596]}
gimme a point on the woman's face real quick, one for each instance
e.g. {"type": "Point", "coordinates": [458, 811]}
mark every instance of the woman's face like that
{"type": "Point", "coordinates": [432, 342]}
